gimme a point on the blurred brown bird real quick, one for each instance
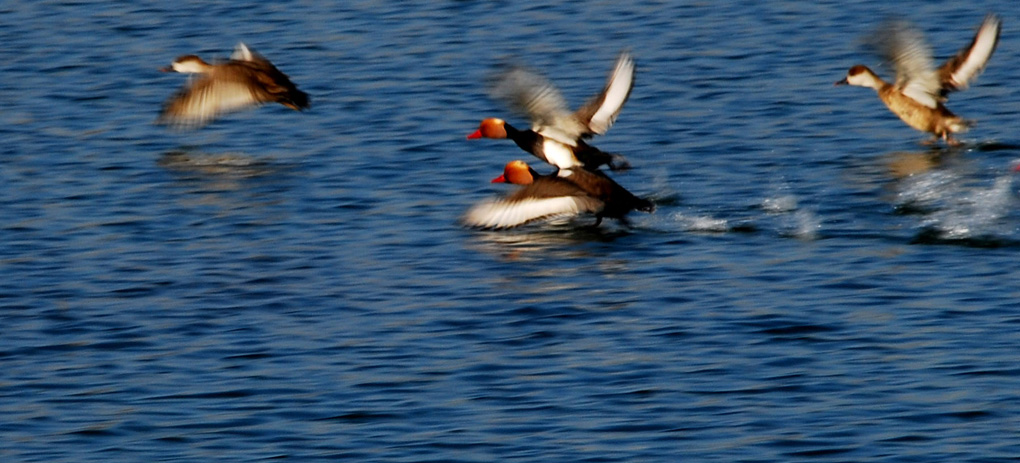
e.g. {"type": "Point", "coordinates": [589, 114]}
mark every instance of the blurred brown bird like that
{"type": "Point", "coordinates": [246, 80]}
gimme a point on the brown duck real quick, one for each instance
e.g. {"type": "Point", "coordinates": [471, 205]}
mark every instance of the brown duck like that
{"type": "Point", "coordinates": [919, 94]}
{"type": "Point", "coordinates": [246, 80]}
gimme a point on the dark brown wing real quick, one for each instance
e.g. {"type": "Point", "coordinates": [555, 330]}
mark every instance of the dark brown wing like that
{"type": "Point", "coordinates": [275, 85]}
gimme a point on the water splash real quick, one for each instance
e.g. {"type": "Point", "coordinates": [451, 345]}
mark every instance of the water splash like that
{"type": "Point", "coordinates": [793, 220]}
{"type": "Point", "coordinates": [927, 191]}
{"type": "Point", "coordinates": [779, 204]}
{"type": "Point", "coordinates": [974, 212]}
{"type": "Point", "coordinates": [805, 225]}
{"type": "Point", "coordinates": [701, 223]}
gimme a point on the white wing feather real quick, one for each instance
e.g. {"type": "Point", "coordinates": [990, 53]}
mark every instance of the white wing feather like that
{"type": "Point", "coordinates": [904, 46]}
{"type": "Point", "coordinates": [533, 95]}
{"type": "Point", "coordinates": [508, 214]}
{"type": "Point", "coordinates": [976, 56]}
{"type": "Point", "coordinates": [621, 81]}
{"type": "Point", "coordinates": [242, 53]}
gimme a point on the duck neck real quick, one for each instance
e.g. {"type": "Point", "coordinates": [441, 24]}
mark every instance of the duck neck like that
{"type": "Point", "coordinates": [526, 139]}
{"type": "Point", "coordinates": [873, 81]}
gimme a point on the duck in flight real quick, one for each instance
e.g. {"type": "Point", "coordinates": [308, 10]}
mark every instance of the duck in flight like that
{"type": "Point", "coordinates": [246, 80]}
{"type": "Point", "coordinates": [920, 91]}
{"type": "Point", "coordinates": [557, 135]}
{"type": "Point", "coordinates": [568, 192]}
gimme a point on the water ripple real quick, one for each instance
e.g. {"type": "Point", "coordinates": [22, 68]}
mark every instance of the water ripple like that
{"type": "Point", "coordinates": [281, 285]}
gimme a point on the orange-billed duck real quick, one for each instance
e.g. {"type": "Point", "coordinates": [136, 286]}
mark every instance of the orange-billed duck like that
{"type": "Point", "coordinates": [557, 135]}
{"type": "Point", "coordinates": [920, 90]}
{"type": "Point", "coordinates": [569, 192]}
{"type": "Point", "coordinates": [247, 79]}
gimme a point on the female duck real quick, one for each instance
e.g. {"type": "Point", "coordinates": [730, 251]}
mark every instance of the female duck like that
{"type": "Point", "coordinates": [557, 135]}
{"type": "Point", "coordinates": [246, 80]}
{"type": "Point", "coordinates": [920, 90]}
{"type": "Point", "coordinates": [569, 192]}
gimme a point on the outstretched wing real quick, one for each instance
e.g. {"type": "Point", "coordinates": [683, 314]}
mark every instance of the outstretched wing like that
{"type": "Point", "coordinates": [600, 113]}
{"type": "Point", "coordinates": [206, 99]}
{"type": "Point", "coordinates": [509, 213]}
{"type": "Point", "coordinates": [904, 46]}
{"type": "Point", "coordinates": [967, 64]}
{"type": "Point", "coordinates": [529, 93]}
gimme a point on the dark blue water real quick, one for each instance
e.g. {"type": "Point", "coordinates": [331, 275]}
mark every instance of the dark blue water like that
{"type": "Point", "coordinates": [814, 286]}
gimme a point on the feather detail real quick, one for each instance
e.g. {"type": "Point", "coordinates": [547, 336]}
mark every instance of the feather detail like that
{"type": "Point", "coordinates": [970, 61]}
{"type": "Point", "coordinates": [509, 213]}
{"type": "Point", "coordinates": [600, 113]}
{"type": "Point", "coordinates": [904, 46]}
